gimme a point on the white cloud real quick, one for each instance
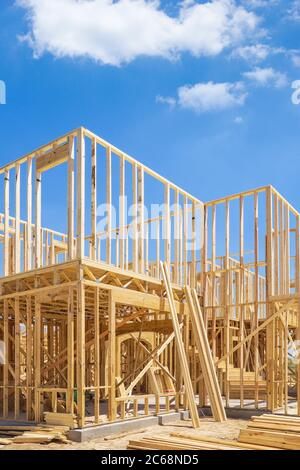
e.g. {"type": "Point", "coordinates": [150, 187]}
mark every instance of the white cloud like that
{"type": "Point", "coordinates": [118, 31]}
{"type": "Point", "coordinates": [256, 53]}
{"type": "Point", "coordinates": [209, 96]}
{"type": "Point", "coordinates": [238, 120]}
{"type": "Point", "coordinates": [296, 60]}
{"type": "Point", "coordinates": [166, 100]}
{"type": "Point", "coordinates": [267, 77]}
{"type": "Point", "coordinates": [294, 11]}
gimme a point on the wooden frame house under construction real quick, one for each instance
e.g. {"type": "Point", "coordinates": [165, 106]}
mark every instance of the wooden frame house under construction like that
{"type": "Point", "coordinates": [91, 322]}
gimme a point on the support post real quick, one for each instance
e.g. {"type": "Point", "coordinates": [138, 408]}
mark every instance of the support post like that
{"type": "Point", "coordinates": [80, 369]}
{"type": "Point", "coordinates": [80, 193]}
{"type": "Point", "coordinates": [111, 357]}
{"type": "Point", "coordinates": [71, 169]}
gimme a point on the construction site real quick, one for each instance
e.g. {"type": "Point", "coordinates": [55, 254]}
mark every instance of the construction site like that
{"type": "Point", "coordinates": [152, 308]}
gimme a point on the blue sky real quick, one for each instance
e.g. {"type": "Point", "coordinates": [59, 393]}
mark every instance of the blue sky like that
{"type": "Point", "coordinates": [199, 91]}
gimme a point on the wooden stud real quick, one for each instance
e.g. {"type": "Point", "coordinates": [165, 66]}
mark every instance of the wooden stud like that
{"type": "Point", "coordinates": [71, 205]}
{"type": "Point", "coordinates": [80, 193]}
{"type": "Point", "coordinates": [80, 354]}
{"type": "Point", "coordinates": [111, 356]}
{"type": "Point", "coordinates": [108, 205]}
{"type": "Point", "coordinates": [6, 223]}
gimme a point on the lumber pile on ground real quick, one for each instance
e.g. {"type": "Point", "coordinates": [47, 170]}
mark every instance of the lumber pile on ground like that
{"type": "Point", "coordinates": [282, 432]}
{"type": "Point", "coordinates": [182, 441]}
{"type": "Point", "coordinates": [41, 434]}
{"type": "Point", "coordinates": [61, 419]}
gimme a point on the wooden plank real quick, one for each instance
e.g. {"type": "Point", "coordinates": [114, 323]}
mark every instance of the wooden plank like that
{"type": "Point", "coordinates": [17, 358]}
{"type": "Point", "coordinates": [167, 227]}
{"type": "Point", "coordinates": [6, 223]}
{"type": "Point", "coordinates": [37, 360]}
{"type": "Point", "coordinates": [226, 301]}
{"type": "Point", "coordinates": [28, 246]}
{"type": "Point", "coordinates": [152, 358]}
{"type": "Point", "coordinates": [270, 438]}
{"type": "Point", "coordinates": [134, 219]}
{"type": "Point", "coordinates": [180, 348]}
{"type": "Point", "coordinates": [241, 299]}
{"type": "Point", "coordinates": [51, 159]}
{"type": "Point", "coordinates": [29, 353]}
{"type": "Point", "coordinates": [97, 355]}
{"type": "Point", "coordinates": [278, 427]}
{"type": "Point", "coordinates": [256, 298]}
{"type": "Point", "coordinates": [205, 356]}
{"type": "Point", "coordinates": [71, 202]}
{"type": "Point", "coordinates": [17, 247]}
{"type": "Point", "coordinates": [6, 359]}
{"type": "Point", "coordinates": [122, 213]}
{"type": "Point", "coordinates": [224, 442]}
{"type": "Point", "coordinates": [94, 200]}
{"type": "Point", "coordinates": [111, 357]}
{"type": "Point", "coordinates": [269, 292]}
{"type": "Point", "coordinates": [80, 194]}
{"type": "Point", "coordinates": [80, 362]}
{"type": "Point", "coordinates": [70, 346]}
{"type": "Point", "coordinates": [177, 234]}
{"type": "Point", "coordinates": [185, 241]}
{"type": "Point", "coordinates": [108, 205]}
{"type": "Point", "coordinates": [297, 290]}
{"type": "Point", "coordinates": [141, 220]}
{"type": "Point", "coordinates": [38, 219]}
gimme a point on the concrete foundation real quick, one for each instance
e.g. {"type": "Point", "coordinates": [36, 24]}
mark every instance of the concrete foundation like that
{"type": "Point", "coordinates": [168, 418]}
{"type": "Point", "coordinates": [94, 432]}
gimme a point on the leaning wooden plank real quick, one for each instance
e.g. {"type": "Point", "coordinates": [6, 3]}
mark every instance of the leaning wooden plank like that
{"type": "Point", "coordinates": [205, 356]}
{"type": "Point", "coordinates": [270, 438]}
{"type": "Point", "coordinates": [180, 348]}
{"type": "Point", "coordinates": [224, 442]}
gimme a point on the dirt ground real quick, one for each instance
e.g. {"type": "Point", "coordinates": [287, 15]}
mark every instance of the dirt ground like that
{"type": "Point", "coordinates": [209, 427]}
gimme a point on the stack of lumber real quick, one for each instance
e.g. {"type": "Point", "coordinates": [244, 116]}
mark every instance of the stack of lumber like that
{"type": "Point", "coordinates": [61, 419]}
{"type": "Point", "coordinates": [32, 434]}
{"type": "Point", "coordinates": [282, 432]}
{"type": "Point", "coordinates": [181, 441]}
